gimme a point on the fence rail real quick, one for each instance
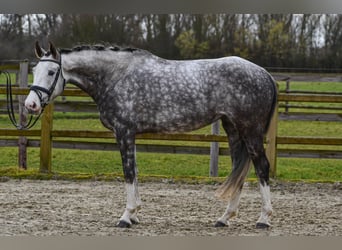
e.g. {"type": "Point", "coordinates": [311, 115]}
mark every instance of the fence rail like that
{"type": "Point", "coordinates": [46, 138]}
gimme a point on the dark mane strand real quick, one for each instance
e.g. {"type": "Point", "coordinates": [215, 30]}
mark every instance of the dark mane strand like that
{"type": "Point", "coordinates": [115, 48]}
{"type": "Point", "coordinates": [97, 47]}
{"type": "Point", "coordinates": [129, 49]}
{"type": "Point", "coordinates": [65, 50]}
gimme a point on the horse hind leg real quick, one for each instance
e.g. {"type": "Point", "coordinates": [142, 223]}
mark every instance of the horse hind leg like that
{"type": "Point", "coordinates": [232, 187]}
{"type": "Point", "coordinates": [262, 166]}
{"type": "Point", "coordinates": [231, 210]}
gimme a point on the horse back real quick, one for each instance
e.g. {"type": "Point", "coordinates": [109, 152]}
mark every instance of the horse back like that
{"type": "Point", "coordinates": [167, 96]}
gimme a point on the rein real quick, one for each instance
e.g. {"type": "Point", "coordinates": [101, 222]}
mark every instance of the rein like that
{"type": "Point", "coordinates": [37, 89]}
{"type": "Point", "coordinates": [10, 108]}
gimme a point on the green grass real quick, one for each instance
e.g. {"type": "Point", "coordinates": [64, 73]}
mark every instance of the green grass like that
{"type": "Point", "coordinates": [313, 86]}
{"type": "Point", "coordinates": [97, 163]}
{"type": "Point", "coordinates": [325, 170]}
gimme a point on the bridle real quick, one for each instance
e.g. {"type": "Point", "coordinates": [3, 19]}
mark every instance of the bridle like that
{"type": "Point", "coordinates": [38, 89]}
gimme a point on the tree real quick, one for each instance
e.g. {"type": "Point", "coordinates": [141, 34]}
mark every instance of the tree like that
{"type": "Point", "coordinates": [243, 38]}
{"type": "Point", "coordinates": [287, 40]}
{"type": "Point", "coordinates": [332, 48]}
{"type": "Point", "coordinates": [189, 47]}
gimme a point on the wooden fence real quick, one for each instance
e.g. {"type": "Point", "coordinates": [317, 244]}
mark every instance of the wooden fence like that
{"type": "Point", "coordinates": [49, 138]}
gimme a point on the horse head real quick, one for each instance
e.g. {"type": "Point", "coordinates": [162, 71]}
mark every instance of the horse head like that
{"type": "Point", "coordinates": [48, 80]}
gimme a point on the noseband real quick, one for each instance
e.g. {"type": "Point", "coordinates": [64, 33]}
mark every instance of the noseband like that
{"type": "Point", "coordinates": [38, 89]}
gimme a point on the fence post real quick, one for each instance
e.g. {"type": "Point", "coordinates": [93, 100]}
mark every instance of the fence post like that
{"type": "Point", "coordinates": [271, 143]}
{"type": "Point", "coordinates": [22, 141]}
{"type": "Point", "coordinates": [46, 140]}
{"type": "Point", "coordinates": [214, 150]}
{"type": "Point", "coordinates": [287, 90]}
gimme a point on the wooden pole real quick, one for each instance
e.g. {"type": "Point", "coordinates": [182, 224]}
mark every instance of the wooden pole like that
{"type": "Point", "coordinates": [46, 140]}
{"type": "Point", "coordinates": [214, 150]}
{"type": "Point", "coordinates": [287, 90]}
{"type": "Point", "coordinates": [22, 141]}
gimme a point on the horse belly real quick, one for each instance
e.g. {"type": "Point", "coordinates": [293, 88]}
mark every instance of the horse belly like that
{"type": "Point", "coordinates": [185, 124]}
{"type": "Point", "coordinates": [176, 118]}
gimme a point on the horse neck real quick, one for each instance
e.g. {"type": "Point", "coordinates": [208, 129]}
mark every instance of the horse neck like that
{"type": "Point", "coordinates": [92, 71]}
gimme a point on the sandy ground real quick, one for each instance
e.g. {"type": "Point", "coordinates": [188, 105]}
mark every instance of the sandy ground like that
{"type": "Point", "coordinates": [92, 208]}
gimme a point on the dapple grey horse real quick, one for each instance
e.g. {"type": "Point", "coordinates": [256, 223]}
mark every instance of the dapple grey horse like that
{"type": "Point", "coordinates": [137, 92]}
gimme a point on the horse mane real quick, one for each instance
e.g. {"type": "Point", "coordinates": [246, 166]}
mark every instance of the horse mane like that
{"type": "Point", "coordinates": [98, 47]}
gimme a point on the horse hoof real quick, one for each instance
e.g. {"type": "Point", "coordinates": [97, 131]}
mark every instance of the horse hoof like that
{"type": "Point", "coordinates": [123, 224]}
{"type": "Point", "coordinates": [260, 225]}
{"type": "Point", "coordinates": [220, 224]}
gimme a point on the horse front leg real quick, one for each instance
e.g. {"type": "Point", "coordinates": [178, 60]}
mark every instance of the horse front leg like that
{"type": "Point", "coordinates": [126, 142]}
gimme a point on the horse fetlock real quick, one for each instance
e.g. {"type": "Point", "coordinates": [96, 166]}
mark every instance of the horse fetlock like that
{"type": "Point", "coordinates": [133, 216]}
{"type": "Point", "coordinates": [134, 219]}
{"type": "Point", "coordinates": [131, 210]}
{"type": "Point", "coordinates": [232, 214]}
{"type": "Point", "coordinates": [267, 210]}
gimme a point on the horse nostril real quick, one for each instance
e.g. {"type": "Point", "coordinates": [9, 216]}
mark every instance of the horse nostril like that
{"type": "Point", "coordinates": [34, 105]}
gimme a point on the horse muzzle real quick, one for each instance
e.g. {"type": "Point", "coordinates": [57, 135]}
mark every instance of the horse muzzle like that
{"type": "Point", "coordinates": [33, 105]}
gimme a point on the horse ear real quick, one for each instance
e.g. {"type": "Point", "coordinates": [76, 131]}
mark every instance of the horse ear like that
{"type": "Point", "coordinates": [53, 50]}
{"type": "Point", "coordinates": [38, 50]}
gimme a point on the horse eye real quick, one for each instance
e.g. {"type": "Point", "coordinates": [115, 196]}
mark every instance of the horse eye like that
{"type": "Point", "coordinates": [51, 72]}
